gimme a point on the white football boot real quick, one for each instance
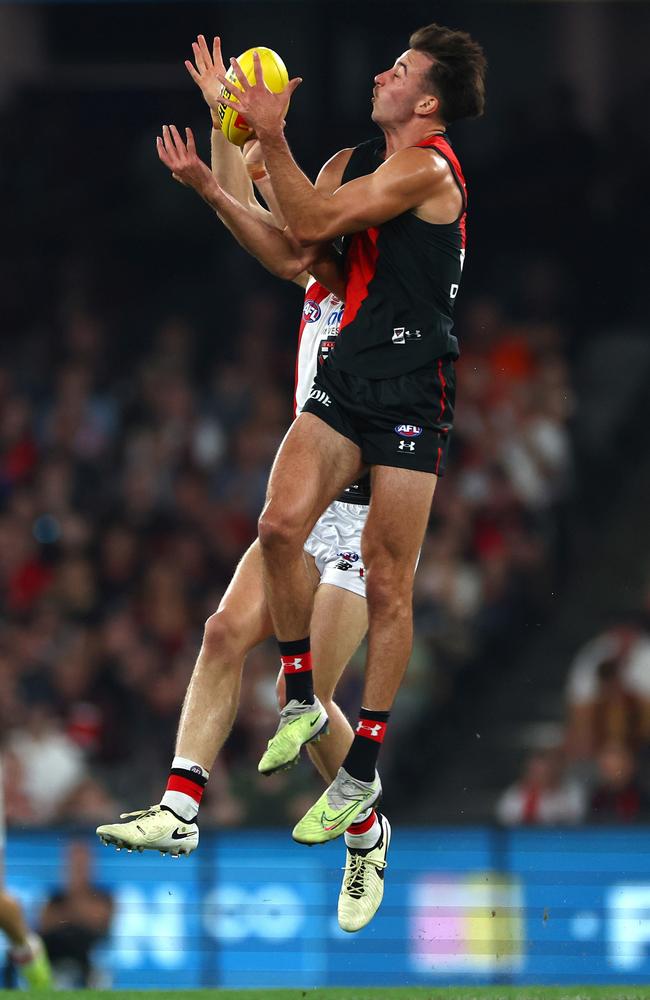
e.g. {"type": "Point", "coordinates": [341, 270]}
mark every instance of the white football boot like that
{"type": "Point", "coordinates": [363, 882]}
{"type": "Point", "coordinates": [154, 829]}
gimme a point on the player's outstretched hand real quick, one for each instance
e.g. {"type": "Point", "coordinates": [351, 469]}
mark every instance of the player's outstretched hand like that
{"type": "Point", "coordinates": [263, 110]}
{"type": "Point", "coordinates": [183, 160]}
{"type": "Point", "coordinates": [208, 71]}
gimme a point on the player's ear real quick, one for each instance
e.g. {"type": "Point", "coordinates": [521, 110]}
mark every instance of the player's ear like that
{"type": "Point", "coordinates": [427, 105]}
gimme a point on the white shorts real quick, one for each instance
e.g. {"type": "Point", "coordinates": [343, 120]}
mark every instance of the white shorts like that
{"type": "Point", "coordinates": [335, 544]}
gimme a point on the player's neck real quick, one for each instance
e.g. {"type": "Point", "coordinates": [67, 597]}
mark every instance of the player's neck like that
{"type": "Point", "coordinates": [409, 134]}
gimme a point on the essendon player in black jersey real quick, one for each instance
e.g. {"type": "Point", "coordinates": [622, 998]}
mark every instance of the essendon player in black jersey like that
{"type": "Point", "coordinates": [384, 397]}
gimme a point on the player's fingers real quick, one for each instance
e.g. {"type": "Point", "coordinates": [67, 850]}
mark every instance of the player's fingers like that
{"type": "Point", "coordinates": [163, 155]}
{"type": "Point", "coordinates": [170, 148]}
{"type": "Point", "coordinates": [190, 69]}
{"type": "Point", "coordinates": [239, 73]}
{"type": "Point", "coordinates": [191, 145]}
{"type": "Point", "coordinates": [179, 145]}
{"type": "Point", "coordinates": [205, 52]}
{"type": "Point", "coordinates": [217, 57]}
{"type": "Point", "coordinates": [170, 142]}
{"type": "Point", "coordinates": [230, 85]}
{"type": "Point", "coordinates": [292, 86]}
{"type": "Point", "coordinates": [258, 69]}
{"type": "Point", "coordinates": [235, 105]}
{"type": "Point", "coordinates": [198, 57]}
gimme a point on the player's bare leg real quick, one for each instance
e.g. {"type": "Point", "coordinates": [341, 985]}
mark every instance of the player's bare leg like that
{"type": "Point", "coordinates": [27, 950]}
{"type": "Point", "coordinates": [12, 920]}
{"type": "Point", "coordinates": [239, 624]}
{"type": "Point", "coordinates": [390, 546]}
{"type": "Point", "coordinates": [339, 623]}
{"type": "Point", "coordinates": [314, 464]}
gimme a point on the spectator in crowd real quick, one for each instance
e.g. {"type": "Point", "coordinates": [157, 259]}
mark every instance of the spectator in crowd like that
{"type": "Point", "coordinates": [75, 918]}
{"type": "Point", "coordinates": [544, 795]}
{"type": "Point", "coordinates": [608, 692]}
{"type": "Point", "coordinates": [618, 796]}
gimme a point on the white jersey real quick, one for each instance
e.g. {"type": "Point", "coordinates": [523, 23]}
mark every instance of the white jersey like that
{"type": "Point", "coordinates": [319, 328]}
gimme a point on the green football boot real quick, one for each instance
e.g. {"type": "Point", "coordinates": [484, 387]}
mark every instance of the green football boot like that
{"type": "Point", "coordinates": [337, 808]}
{"type": "Point", "coordinates": [299, 724]}
{"type": "Point", "coordinates": [35, 970]}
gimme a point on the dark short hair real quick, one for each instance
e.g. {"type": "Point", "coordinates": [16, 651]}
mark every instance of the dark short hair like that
{"type": "Point", "coordinates": [457, 73]}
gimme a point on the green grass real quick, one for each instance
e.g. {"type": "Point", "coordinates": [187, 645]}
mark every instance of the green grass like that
{"type": "Point", "coordinates": [368, 993]}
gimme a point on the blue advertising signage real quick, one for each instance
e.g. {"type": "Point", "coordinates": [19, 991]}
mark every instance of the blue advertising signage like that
{"type": "Point", "coordinates": [461, 906]}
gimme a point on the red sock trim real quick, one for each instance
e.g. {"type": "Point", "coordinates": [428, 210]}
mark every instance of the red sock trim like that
{"type": "Point", "coordinates": [300, 664]}
{"type": "Point", "coordinates": [358, 828]}
{"type": "Point", "coordinates": [371, 729]}
{"type": "Point", "coordinates": [177, 784]}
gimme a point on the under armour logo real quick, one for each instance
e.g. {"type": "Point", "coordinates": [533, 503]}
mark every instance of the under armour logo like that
{"type": "Point", "coordinates": [373, 731]}
{"type": "Point", "coordinates": [406, 446]}
{"type": "Point", "coordinates": [293, 664]}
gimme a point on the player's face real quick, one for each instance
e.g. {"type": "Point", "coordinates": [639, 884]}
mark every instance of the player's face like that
{"type": "Point", "coordinates": [398, 91]}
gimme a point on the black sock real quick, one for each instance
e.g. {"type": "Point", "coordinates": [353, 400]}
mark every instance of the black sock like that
{"type": "Point", "coordinates": [361, 760]}
{"type": "Point", "coordinates": [296, 667]}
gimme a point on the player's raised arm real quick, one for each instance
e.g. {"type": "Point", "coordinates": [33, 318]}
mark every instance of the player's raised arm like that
{"type": "Point", "coordinates": [406, 180]}
{"type": "Point", "coordinates": [275, 249]}
{"type": "Point", "coordinates": [227, 163]}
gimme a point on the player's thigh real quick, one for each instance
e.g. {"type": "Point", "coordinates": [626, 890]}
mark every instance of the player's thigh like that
{"type": "Point", "coordinates": [397, 518]}
{"type": "Point", "coordinates": [339, 623]}
{"type": "Point", "coordinates": [243, 611]}
{"type": "Point", "coordinates": [313, 465]}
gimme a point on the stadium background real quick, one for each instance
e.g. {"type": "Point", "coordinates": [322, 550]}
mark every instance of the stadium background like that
{"type": "Point", "coordinates": [145, 382]}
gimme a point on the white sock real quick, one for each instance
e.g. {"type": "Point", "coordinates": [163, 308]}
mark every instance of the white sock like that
{"type": "Point", "coordinates": [362, 841]}
{"type": "Point", "coordinates": [22, 954]}
{"type": "Point", "coordinates": [185, 788]}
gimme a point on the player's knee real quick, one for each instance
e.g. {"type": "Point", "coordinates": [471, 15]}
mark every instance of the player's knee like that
{"type": "Point", "coordinates": [278, 531]}
{"type": "Point", "coordinates": [223, 638]}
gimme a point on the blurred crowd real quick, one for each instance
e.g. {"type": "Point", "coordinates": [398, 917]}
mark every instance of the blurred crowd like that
{"type": "Point", "coordinates": [129, 491]}
{"type": "Point", "coordinates": [145, 384]}
{"type": "Point", "coordinates": [597, 769]}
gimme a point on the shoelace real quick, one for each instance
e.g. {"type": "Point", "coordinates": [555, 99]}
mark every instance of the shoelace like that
{"type": "Point", "coordinates": [140, 813]}
{"type": "Point", "coordinates": [355, 878]}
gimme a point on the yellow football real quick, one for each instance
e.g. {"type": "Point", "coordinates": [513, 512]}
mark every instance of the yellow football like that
{"type": "Point", "coordinates": [233, 124]}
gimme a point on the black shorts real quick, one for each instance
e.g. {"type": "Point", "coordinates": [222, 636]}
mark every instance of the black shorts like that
{"type": "Point", "coordinates": [403, 422]}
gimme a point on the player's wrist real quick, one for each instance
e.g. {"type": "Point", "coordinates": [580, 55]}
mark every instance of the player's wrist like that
{"type": "Point", "coordinates": [273, 135]}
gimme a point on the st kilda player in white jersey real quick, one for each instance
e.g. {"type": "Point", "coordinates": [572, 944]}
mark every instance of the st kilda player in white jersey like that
{"type": "Point", "coordinates": [331, 554]}
{"type": "Point", "coordinates": [335, 542]}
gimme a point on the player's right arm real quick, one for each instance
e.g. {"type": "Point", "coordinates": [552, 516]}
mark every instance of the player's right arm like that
{"type": "Point", "coordinates": [276, 250]}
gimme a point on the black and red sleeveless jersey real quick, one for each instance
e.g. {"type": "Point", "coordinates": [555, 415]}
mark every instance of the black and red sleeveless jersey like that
{"type": "Point", "coordinates": [402, 278]}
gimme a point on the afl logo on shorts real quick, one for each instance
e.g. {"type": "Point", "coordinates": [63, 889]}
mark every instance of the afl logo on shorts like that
{"type": "Point", "coordinates": [408, 430]}
{"type": "Point", "coordinates": [311, 311]}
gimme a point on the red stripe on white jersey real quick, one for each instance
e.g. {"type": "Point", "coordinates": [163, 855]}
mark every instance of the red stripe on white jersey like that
{"type": "Point", "coordinates": [320, 321]}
